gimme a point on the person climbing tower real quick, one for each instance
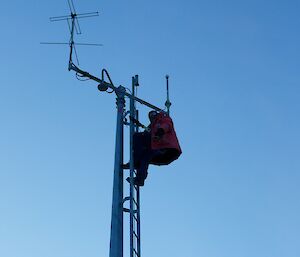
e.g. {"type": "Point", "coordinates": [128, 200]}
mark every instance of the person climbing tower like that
{"type": "Point", "coordinates": [157, 145]}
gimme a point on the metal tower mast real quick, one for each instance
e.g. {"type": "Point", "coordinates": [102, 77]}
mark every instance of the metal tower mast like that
{"type": "Point", "coordinates": [134, 191]}
{"type": "Point", "coordinates": [118, 200]}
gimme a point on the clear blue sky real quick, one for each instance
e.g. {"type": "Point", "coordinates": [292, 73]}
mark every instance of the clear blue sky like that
{"type": "Point", "coordinates": [234, 78]}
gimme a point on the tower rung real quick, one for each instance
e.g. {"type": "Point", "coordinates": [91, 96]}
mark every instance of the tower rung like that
{"type": "Point", "coordinates": [135, 202]}
{"type": "Point", "coordinates": [136, 235]}
{"type": "Point", "coordinates": [137, 254]}
{"type": "Point", "coordinates": [127, 198]}
{"type": "Point", "coordinates": [135, 218]}
{"type": "Point", "coordinates": [128, 210]}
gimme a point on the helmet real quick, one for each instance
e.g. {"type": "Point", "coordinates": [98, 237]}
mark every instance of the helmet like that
{"type": "Point", "coordinates": [152, 115]}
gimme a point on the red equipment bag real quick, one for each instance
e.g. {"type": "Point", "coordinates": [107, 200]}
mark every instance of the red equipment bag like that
{"type": "Point", "coordinates": [167, 143]}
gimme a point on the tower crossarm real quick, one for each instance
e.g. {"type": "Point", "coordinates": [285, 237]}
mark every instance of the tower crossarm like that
{"type": "Point", "coordinates": [85, 74]}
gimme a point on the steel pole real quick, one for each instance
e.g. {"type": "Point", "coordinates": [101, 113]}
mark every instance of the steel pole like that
{"type": "Point", "coordinates": [138, 189]}
{"type": "Point", "coordinates": [116, 234]}
{"type": "Point", "coordinates": [132, 114]}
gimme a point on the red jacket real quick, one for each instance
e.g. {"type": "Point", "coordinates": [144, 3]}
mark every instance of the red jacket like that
{"type": "Point", "coordinates": [168, 140]}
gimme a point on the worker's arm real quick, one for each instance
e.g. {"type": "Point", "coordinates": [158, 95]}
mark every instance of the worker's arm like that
{"type": "Point", "coordinates": [137, 122]}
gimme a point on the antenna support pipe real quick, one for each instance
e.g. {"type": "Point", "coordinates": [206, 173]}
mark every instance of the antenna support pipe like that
{"type": "Point", "coordinates": [116, 234]}
{"type": "Point", "coordinates": [73, 67]}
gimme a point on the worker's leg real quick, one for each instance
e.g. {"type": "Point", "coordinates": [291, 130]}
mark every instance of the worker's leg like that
{"type": "Point", "coordinates": [141, 147]}
{"type": "Point", "coordinates": [142, 170]}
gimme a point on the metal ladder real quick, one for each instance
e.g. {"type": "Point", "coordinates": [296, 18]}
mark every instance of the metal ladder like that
{"type": "Point", "coordinates": [134, 214]}
{"type": "Point", "coordinates": [134, 191]}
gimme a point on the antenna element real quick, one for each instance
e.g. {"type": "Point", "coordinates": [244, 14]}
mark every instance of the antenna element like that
{"type": "Point", "coordinates": [168, 103]}
{"type": "Point", "coordinates": [73, 25]}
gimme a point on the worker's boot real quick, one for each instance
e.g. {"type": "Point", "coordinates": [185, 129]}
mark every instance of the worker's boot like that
{"type": "Point", "coordinates": [136, 181]}
{"type": "Point", "coordinates": [126, 166]}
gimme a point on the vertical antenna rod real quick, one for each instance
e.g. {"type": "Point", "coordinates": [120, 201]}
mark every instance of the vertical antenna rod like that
{"type": "Point", "coordinates": [72, 39]}
{"type": "Point", "coordinates": [168, 103]}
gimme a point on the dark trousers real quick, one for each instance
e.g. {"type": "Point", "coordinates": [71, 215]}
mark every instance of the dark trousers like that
{"type": "Point", "coordinates": [142, 154]}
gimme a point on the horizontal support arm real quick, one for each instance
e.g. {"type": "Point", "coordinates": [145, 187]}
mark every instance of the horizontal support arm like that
{"type": "Point", "coordinates": [88, 75]}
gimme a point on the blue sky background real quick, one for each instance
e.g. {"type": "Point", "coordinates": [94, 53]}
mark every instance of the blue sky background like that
{"type": "Point", "coordinates": [234, 79]}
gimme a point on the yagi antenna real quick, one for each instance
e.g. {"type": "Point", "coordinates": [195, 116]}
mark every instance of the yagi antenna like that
{"type": "Point", "coordinates": [73, 25]}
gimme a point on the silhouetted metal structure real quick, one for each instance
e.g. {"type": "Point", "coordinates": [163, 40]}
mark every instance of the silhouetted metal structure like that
{"type": "Point", "coordinates": [118, 199]}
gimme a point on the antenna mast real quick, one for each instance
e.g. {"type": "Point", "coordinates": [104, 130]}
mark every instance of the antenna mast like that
{"type": "Point", "coordinates": [118, 201]}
